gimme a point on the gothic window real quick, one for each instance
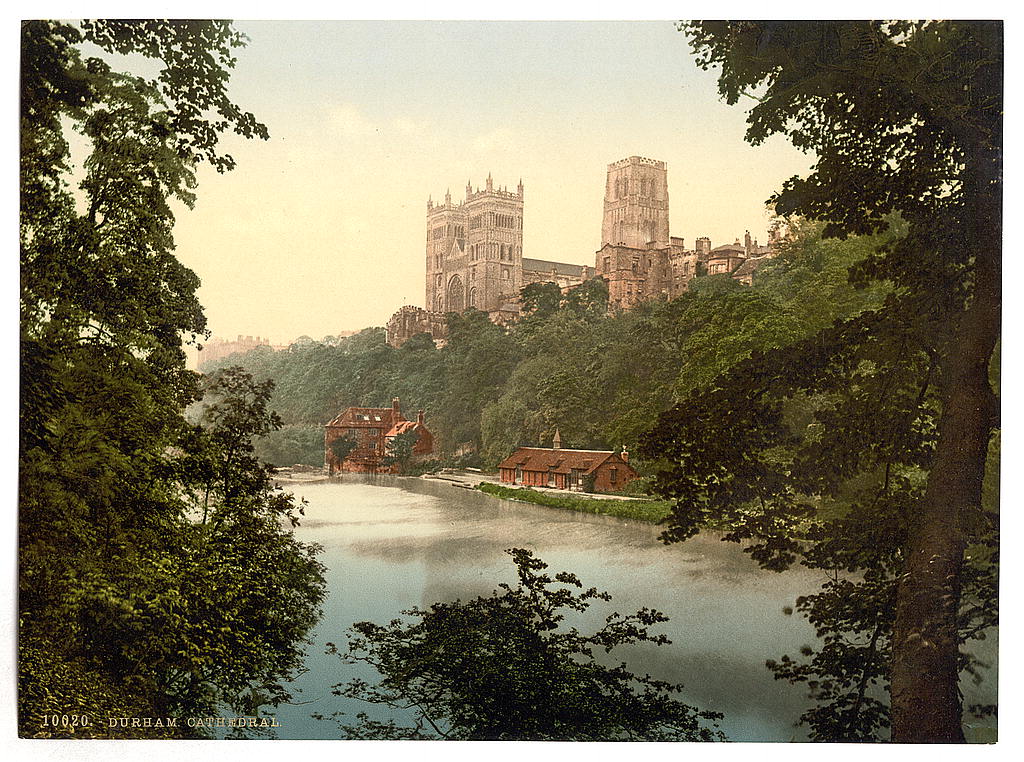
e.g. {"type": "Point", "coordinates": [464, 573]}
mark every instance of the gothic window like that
{"type": "Point", "coordinates": [472, 273]}
{"type": "Point", "coordinates": [502, 252]}
{"type": "Point", "coordinates": [472, 297]}
{"type": "Point", "coordinates": [505, 273]}
{"type": "Point", "coordinates": [456, 295]}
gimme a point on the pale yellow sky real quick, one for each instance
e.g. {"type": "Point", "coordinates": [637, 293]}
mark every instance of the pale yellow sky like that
{"type": "Point", "coordinates": [322, 228]}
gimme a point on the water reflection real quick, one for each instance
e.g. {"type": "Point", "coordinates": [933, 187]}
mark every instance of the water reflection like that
{"type": "Point", "coordinates": [391, 543]}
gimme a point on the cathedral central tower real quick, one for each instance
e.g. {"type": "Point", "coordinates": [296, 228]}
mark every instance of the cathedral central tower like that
{"type": "Point", "coordinates": [636, 204]}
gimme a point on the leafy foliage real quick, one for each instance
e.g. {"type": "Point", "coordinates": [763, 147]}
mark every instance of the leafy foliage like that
{"type": "Point", "coordinates": [600, 379]}
{"type": "Point", "coordinates": [400, 450]}
{"type": "Point", "coordinates": [507, 667]}
{"type": "Point", "coordinates": [862, 448]}
{"type": "Point", "coordinates": [145, 543]}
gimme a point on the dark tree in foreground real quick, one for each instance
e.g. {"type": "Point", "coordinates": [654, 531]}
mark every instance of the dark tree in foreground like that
{"type": "Point", "coordinates": [863, 450]}
{"type": "Point", "coordinates": [506, 667]}
{"type": "Point", "coordinates": [158, 573]}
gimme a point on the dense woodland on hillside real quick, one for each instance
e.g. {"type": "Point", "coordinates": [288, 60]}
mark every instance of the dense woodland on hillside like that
{"type": "Point", "coordinates": [600, 379]}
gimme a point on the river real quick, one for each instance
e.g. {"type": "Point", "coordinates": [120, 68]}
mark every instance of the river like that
{"type": "Point", "coordinates": [393, 543]}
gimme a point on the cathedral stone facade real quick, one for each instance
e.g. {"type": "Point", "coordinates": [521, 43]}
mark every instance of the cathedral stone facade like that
{"type": "Point", "coordinates": [636, 204]}
{"type": "Point", "coordinates": [638, 257]}
{"type": "Point", "coordinates": [475, 261]}
{"type": "Point", "coordinates": [475, 252]}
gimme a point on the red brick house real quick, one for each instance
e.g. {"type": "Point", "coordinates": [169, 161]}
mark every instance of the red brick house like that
{"type": "Point", "coordinates": [566, 469]}
{"type": "Point", "coordinates": [373, 429]}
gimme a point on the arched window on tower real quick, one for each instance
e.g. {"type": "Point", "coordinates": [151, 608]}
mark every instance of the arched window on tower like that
{"type": "Point", "coordinates": [456, 295]}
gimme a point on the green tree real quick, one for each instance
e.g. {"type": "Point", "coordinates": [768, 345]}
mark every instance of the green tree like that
{"type": "Point", "coordinates": [589, 299]}
{"type": "Point", "coordinates": [507, 667]}
{"type": "Point", "coordinates": [400, 450]}
{"type": "Point", "coordinates": [905, 118]}
{"type": "Point", "coordinates": [477, 362]}
{"type": "Point", "coordinates": [342, 446]}
{"type": "Point", "coordinates": [143, 541]}
{"type": "Point", "coordinates": [540, 300]}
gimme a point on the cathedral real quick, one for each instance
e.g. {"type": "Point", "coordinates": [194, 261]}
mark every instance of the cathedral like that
{"type": "Point", "coordinates": [474, 252]}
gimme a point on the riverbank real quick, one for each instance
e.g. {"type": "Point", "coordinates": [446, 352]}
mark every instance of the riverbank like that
{"type": "Point", "coordinates": [618, 506]}
{"type": "Point", "coordinates": [650, 511]}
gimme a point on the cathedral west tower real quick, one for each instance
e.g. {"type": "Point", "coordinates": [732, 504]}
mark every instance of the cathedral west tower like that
{"type": "Point", "coordinates": [475, 250]}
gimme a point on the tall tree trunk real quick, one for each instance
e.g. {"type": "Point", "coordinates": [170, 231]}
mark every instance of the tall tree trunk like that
{"type": "Point", "coordinates": [926, 705]}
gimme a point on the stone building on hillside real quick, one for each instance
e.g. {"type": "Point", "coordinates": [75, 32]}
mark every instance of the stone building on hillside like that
{"type": "Point", "coordinates": [474, 258]}
{"type": "Point", "coordinates": [725, 259]}
{"type": "Point", "coordinates": [638, 257]}
{"type": "Point", "coordinates": [567, 469]}
{"type": "Point", "coordinates": [373, 430]}
{"type": "Point", "coordinates": [563, 274]}
{"type": "Point", "coordinates": [745, 272]}
{"type": "Point", "coordinates": [409, 321]}
{"type": "Point", "coordinates": [474, 252]}
{"type": "Point", "coordinates": [219, 348]}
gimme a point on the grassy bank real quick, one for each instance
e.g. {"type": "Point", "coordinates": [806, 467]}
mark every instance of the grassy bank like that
{"type": "Point", "coordinates": [651, 511]}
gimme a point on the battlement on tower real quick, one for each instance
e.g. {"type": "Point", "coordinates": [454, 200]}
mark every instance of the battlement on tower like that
{"type": "Point", "coordinates": [448, 206]}
{"type": "Point", "coordinates": [500, 193]}
{"type": "Point", "coordinates": [637, 160]}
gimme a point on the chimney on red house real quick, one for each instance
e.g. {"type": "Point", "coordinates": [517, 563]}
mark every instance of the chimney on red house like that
{"type": "Point", "coordinates": [419, 417]}
{"type": "Point", "coordinates": [624, 455]}
{"type": "Point", "coordinates": [556, 443]}
{"type": "Point", "coordinates": [395, 405]}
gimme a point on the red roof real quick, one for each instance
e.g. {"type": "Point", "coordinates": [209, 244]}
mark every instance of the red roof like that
{"type": "Point", "coordinates": [401, 428]}
{"type": "Point", "coordinates": [559, 461]}
{"type": "Point", "coordinates": [378, 417]}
